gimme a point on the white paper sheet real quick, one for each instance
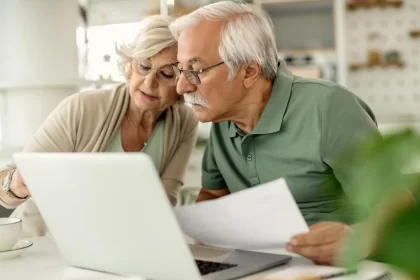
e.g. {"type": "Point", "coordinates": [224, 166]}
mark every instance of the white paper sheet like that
{"type": "Point", "coordinates": [297, 272]}
{"type": "Point", "coordinates": [262, 217]}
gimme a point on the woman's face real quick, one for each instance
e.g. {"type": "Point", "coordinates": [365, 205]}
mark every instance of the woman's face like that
{"type": "Point", "coordinates": [153, 81]}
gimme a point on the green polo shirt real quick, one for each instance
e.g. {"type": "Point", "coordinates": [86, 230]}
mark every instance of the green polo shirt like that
{"type": "Point", "coordinates": [304, 127]}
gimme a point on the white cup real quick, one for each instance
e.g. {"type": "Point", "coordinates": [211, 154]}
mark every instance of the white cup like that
{"type": "Point", "coordinates": [10, 229]}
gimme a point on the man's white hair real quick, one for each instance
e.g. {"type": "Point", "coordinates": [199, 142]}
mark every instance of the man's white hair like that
{"type": "Point", "coordinates": [247, 36]}
{"type": "Point", "coordinates": [154, 36]}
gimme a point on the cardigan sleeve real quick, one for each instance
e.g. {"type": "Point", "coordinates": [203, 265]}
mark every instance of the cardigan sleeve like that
{"type": "Point", "coordinates": [56, 134]}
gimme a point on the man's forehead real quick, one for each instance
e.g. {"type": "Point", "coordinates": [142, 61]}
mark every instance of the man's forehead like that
{"type": "Point", "coordinates": [196, 48]}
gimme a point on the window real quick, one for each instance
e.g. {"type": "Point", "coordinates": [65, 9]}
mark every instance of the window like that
{"type": "Point", "coordinates": [98, 60]}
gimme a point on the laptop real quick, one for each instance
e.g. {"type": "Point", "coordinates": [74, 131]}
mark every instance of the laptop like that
{"type": "Point", "coordinates": [109, 212]}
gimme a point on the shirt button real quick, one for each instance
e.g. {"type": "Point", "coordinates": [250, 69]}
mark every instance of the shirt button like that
{"type": "Point", "coordinates": [248, 157]}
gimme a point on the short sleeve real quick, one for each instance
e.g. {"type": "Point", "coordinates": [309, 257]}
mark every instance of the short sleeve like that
{"type": "Point", "coordinates": [211, 177]}
{"type": "Point", "coordinates": [346, 121]}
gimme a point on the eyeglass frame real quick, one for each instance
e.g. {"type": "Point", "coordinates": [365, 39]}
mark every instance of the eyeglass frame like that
{"type": "Point", "coordinates": [194, 73]}
{"type": "Point", "coordinates": [156, 70]}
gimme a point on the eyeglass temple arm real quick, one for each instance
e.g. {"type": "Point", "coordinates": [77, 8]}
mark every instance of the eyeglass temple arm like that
{"type": "Point", "coordinates": [209, 67]}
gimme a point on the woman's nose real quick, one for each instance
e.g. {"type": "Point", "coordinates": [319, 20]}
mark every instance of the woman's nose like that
{"type": "Point", "coordinates": [151, 79]}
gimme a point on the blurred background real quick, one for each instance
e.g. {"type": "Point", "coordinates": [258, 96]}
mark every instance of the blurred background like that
{"type": "Point", "coordinates": [53, 48]}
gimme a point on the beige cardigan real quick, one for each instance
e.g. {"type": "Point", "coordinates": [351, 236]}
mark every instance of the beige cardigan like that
{"type": "Point", "coordinates": [87, 121]}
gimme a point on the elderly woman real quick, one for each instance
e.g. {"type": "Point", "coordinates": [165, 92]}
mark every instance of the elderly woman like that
{"type": "Point", "coordinates": [143, 115]}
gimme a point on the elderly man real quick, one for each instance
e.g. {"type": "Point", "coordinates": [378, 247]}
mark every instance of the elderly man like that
{"type": "Point", "coordinates": [268, 123]}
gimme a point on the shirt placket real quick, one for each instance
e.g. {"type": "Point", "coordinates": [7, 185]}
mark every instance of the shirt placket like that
{"type": "Point", "coordinates": [248, 154]}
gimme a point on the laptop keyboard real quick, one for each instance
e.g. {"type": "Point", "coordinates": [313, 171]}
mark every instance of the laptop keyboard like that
{"type": "Point", "coordinates": [207, 267]}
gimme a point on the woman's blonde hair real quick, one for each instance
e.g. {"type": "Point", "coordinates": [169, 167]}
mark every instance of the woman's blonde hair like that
{"type": "Point", "coordinates": [154, 36]}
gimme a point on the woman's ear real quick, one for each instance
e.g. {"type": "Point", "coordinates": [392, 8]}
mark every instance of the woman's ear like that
{"type": "Point", "coordinates": [252, 72]}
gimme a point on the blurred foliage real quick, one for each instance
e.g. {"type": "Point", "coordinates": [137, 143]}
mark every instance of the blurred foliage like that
{"type": "Point", "coordinates": [402, 242]}
{"type": "Point", "coordinates": [379, 171]}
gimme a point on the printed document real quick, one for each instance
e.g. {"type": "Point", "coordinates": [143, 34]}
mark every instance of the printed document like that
{"type": "Point", "coordinates": [261, 217]}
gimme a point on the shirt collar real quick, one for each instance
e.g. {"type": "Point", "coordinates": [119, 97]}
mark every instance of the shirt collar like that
{"type": "Point", "coordinates": [272, 116]}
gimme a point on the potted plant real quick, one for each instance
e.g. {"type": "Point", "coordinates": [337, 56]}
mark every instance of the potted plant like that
{"type": "Point", "coordinates": [382, 172]}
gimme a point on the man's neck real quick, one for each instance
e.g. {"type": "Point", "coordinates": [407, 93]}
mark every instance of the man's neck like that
{"type": "Point", "coordinates": [252, 106]}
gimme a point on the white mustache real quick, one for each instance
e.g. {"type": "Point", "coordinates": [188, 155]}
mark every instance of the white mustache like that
{"type": "Point", "coordinates": [194, 99]}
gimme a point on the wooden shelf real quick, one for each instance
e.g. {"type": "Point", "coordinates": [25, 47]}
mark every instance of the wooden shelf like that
{"type": "Point", "coordinates": [385, 65]}
{"type": "Point", "coordinates": [353, 5]}
{"type": "Point", "coordinates": [415, 33]}
{"type": "Point", "coordinates": [303, 51]}
{"type": "Point", "coordinates": [398, 118]}
{"type": "Point", "coordinates": [293, 6]}
{"type": "Point", "coordinates": [292, 2]}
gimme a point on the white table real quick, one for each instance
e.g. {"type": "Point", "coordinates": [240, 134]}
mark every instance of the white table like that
{"type": "Point", "coordinates": [43, 262]}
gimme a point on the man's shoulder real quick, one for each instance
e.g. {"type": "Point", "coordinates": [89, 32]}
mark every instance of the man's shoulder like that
{"type": "Point", "coordinates": [318, 91]}
{"type": "Point", "coordinates": [327, 95]}
{"type": "Point", "coordinates": [314, 82]}
{"type": "Point", "coordinates": [316, 88]}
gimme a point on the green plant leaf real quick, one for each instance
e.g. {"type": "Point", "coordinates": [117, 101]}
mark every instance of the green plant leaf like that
{"type": "Point", "coordinates": [376, 170]}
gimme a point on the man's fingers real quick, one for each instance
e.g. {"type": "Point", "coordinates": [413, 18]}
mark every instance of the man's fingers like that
{"type": "Point", "coordinates": [319, 254]}
{"type": "Point", "coordinates": [312, 238]}
{"type": "Point", "coordinates": [320, 225]}
{"type": "Point", "coordinates": [320, 234]}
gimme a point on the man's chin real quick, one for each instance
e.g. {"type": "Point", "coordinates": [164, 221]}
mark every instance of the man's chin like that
{"type": "Point", "coordinates": [202, 116]}
{"type": "Point", "coordinates": [199, 108]}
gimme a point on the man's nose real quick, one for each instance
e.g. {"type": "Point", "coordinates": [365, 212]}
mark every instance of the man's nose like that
{"type": "Point", "coordinates": [183, 85]}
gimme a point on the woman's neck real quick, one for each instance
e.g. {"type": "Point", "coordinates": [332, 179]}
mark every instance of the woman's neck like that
{"type": "Point", "coordinates": [136, 116]}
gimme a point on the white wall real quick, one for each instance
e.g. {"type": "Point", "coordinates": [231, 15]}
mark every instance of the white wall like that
{"type": "Point", "coordinates": [39, 63]}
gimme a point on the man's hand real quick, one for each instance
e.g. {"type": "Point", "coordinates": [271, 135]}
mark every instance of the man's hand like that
{"type": "Point", "coordinates": [206, 194]}
{"type": "Point", "coordinates": [322, 244]}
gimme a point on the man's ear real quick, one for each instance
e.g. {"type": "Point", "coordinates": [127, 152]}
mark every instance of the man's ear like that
{"type": "Point", "coordinates": [252, 72]}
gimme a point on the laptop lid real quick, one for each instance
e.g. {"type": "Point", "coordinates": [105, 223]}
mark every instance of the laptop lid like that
{"type": "Point", "coordinates": [108, 212]}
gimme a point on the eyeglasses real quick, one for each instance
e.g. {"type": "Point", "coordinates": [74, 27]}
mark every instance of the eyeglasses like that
{"type": "Point", "coordinates": [192, 75]}
{"type": "Point", "coordinates": [165, 75]}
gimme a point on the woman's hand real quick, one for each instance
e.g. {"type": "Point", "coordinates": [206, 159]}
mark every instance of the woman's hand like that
{"type": "Point", "coordinates": [18, 186]}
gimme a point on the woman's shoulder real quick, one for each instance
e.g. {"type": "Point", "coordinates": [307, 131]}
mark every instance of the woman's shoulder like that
{"type": "Point", "coordinates": [186, 114]}
{"type": "Point", "coordinates": [93, 98]}
{"type": "Point", "coordinates": [181, 121]}
{"type": "Point", "coordinates": [103, 95]}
